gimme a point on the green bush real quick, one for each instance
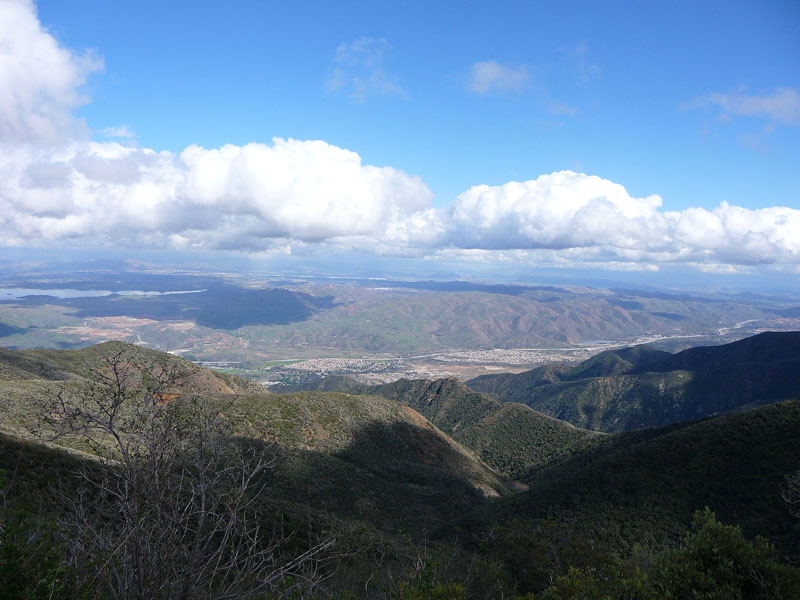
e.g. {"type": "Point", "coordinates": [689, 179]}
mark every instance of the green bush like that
{"type": "Point", "coordinates": [718, 562]}
{"type": "Point", "coordinates": [715, 562]}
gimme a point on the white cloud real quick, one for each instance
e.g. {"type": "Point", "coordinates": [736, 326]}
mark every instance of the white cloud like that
{"type": "Point", "coordinates": [560, 210]}
{"type": "Point", "coordinates": [782, 106]}
{"type": "Point", "coordinates": [294, 196]}
{"type": "Point", "coordinates": [492, 77]}
{"type": "Point", "coordinates": [358, 69]}
{"type": "Point", "coordinates": [598, 220]}
{"type": "Point", "coordinates": [119, 132]}
{"type": "Point", "coordinates": [40, 81]}
{"type": "Point", "coordinates": [301, 194]}
{"type": "Point", "coordinates": [234, 197]}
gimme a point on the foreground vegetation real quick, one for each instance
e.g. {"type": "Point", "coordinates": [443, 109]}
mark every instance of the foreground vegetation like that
{"type": "Point", "coordinates": [126, 473]}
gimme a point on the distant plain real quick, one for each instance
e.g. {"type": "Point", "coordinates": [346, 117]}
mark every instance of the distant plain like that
{"type": "Point", "coordinates": [281, 329]}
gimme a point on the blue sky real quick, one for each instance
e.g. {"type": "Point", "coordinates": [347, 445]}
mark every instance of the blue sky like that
{"type": "Point", "coordinates": [181, 73]}
{"type": "Point", "coordinates": [697, 104]}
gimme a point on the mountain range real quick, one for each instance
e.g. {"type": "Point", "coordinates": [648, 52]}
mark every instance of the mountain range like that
{"type": "Point", "coordinates": [638, 387]}
{"type": "Point", "coordinates": [476, 490]}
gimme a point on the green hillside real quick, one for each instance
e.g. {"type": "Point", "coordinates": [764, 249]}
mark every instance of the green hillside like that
{"type": "Point", "coordinates": [634, 492]}
{"type": "Point", "coordinates": [639, 387]}
{"type": "Point", "coordinates": [366, 457]}
{"type": "Point", "coordinates": [358, 457]}
{"type": "Point", "coordinates": [653, 480]}
{"type": "Point", "coordinates": [81, 362]}
{"type": "Point", "coordinates": [28, 376]}
{"type": "Point", "coordinates": [401, 481]}
{"type": "Point", "coordinates": [764, 348]}
{"type": "Point", "coordinates": [509, 437]}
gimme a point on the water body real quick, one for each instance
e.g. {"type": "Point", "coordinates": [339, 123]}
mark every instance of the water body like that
{"type": "Point", "coordinates": [7, 294]}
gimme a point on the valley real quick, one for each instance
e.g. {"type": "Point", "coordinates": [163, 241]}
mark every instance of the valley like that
{"type": "Point", "coordinates": [281, 329]}
{"type": "Point", "coordinates": [399, 300]}
{"type": "Point", "coordinates": [516, 437]}
{"type": "Point", "coordinates": [501, 497]}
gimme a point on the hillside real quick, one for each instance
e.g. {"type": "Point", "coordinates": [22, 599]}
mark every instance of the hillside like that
{"type": "Point", "coordinates": [509, 437]}
{"type": "Point", "coordinates": [764, 348]}
{"type": "Point", "coordinates": [634, 388]}
{"type": "Point", "coordinates": [367, 458]}
{"type": "Point", "coordinates": [370, 431]}
{"type": "Point", "coordinates": [355, 457]}
{"type": "Point", "coordinates": [405, 503]}
{"type": "Point", "coordinates": [80, 363]}
{"type": "Point", "coordinates": [641, 487]}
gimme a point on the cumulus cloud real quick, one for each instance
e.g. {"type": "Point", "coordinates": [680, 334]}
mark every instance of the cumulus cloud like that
{"type": "Point", "coordinates": [492, 77]}
{"type": "Point", "coordinates": [560, 210]}
{"type": "Point", "coordinates": [358, 69]}
{"type": "Point", "coordinates": [40, 81]}
{"type": "Point", "coordinates": [234, 197]}
{"type": "Point", "coordinates": [295, 196]}
{"type": "Point", "coordinates": [569, 211]}
{"type": "Point", "coordinates": [782, 106]}
{"type": "Point", "coordinates": [261, 197]}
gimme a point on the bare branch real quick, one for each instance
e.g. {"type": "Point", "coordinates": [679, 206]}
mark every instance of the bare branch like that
{"type": "Point", "coordinates": [169, 509]}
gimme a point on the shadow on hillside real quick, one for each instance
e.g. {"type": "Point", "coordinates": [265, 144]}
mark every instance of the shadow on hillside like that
{"type": "Point", "coordinates": [746, 386]}
{"type": "Point", "coordinates": [395, 477]}
{"type": "Point", "coordinates": [654, 480]}
{"type": "Point", "coordinates": [226, 307]}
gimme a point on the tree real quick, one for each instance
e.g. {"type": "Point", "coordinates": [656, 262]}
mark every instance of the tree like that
{"type": "Point", "coordinates": [715, 562]}
{"type": "Point", "coordinates": [166, 509]}
{"type": "Point", "coordinates": [791, 493]}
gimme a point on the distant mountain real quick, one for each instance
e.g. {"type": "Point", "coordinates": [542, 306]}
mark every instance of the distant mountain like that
{"type": "Point", "coordinates": [638, 387]}
{"type": "Point", "coordinates": [6, 330]}
{"type": "Point", "coordinates": [542, 317]}
{"type": "Point", "coordinates": [218, 306]}
{"type": "Point", "coordinates": [375, 316]}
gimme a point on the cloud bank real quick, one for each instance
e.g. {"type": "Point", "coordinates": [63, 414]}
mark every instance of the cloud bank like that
{"type": "Point", "coordinates": [58, 189]}
{"type": "Point", "coordinates": [595, 217]}
{"type": "Point", "coordinates": [236, 198]}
